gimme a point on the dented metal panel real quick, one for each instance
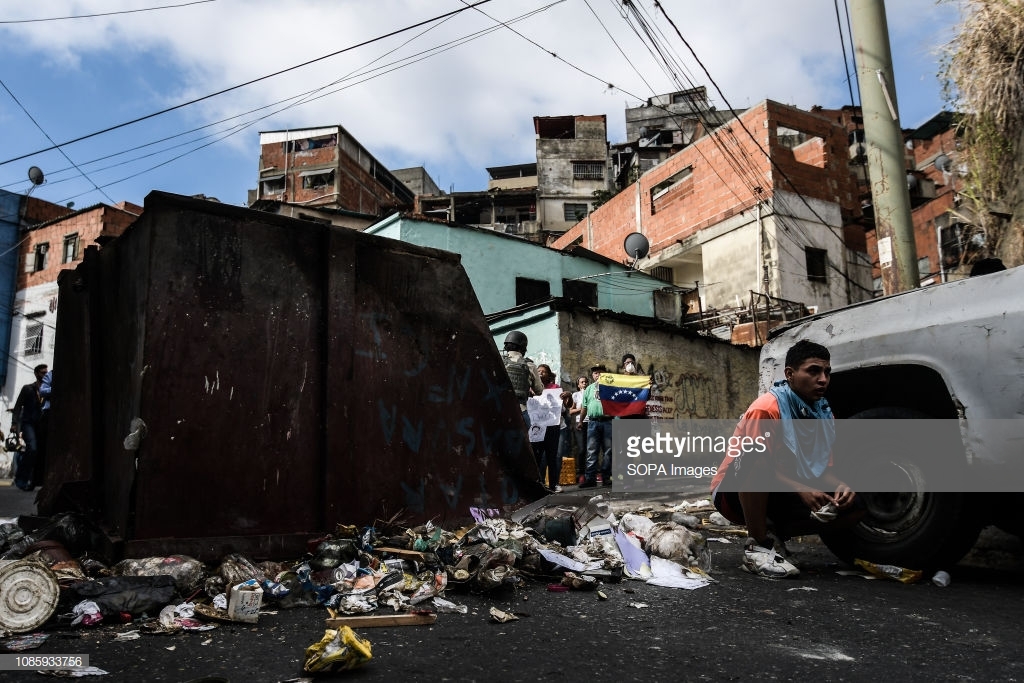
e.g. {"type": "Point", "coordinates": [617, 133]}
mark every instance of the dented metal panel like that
{"type": "Point", "coordinates": [291, 376]}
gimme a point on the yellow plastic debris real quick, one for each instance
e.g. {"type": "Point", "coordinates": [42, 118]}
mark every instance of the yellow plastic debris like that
{"type": "Point", "coordinates": [339, 650]}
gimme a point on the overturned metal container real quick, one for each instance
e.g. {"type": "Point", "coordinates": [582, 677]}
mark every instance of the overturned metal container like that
{"type": "Point", "coordinates": [228, 380]}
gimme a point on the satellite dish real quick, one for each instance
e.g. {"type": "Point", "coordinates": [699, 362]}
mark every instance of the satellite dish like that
{"type": "Point", "coordinates": [943, 163]}
{"type": "Point", "coordinates": [636, 245]}
{"type": "Point", "coordinates": [35, 174]}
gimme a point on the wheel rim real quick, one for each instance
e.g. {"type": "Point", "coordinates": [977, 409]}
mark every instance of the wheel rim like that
{"type": "Point", "coordinates": [893, 516]}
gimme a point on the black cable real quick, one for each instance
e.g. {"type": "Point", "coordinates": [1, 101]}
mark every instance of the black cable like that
{"type": "Point", "coordinates": [842, 45]}
{"type": "Point", "coordinates": [247, 83]}
{"type": "Point", "coordinates": [105, 14]}
{"type": "Point", "coordinates": [47, 135]}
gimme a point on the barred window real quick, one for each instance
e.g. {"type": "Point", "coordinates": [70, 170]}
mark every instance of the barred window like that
{"type": "Point", "coordinates": [34, 339]}
{"type": "Point", "coordinates": [575, 212]}
{"type": "Point", "coordinates": [588, 170]}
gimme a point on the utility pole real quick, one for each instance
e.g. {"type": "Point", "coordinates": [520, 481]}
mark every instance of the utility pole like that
{"type": "Point", "coordinates": [887, 171]}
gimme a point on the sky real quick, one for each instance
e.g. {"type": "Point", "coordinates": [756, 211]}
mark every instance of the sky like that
{"type": "Point", "coordinates": [455, 95]}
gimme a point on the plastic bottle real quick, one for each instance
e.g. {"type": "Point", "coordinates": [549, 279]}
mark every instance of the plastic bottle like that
{"type": "Point", "coordinates": [941, 579]}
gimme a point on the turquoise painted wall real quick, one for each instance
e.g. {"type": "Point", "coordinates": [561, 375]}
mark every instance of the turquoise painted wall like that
{"type": "Point", "coordinates": [493, 262]}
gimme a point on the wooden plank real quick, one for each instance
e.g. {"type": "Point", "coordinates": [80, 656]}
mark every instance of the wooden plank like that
{"type": "Point", "coordinates": [371, 621]}
{"type": "Point", "coordinates": [401, 553]}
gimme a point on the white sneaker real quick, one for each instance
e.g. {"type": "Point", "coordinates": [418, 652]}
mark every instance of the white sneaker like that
{"type": "Point", "coordinates": [766, 562]}
{"type": "Point", "coordinates": [558, 489]}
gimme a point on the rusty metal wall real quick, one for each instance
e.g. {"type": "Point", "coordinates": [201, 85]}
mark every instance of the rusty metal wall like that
{"type": "Point", "coordinates": [291, 376]}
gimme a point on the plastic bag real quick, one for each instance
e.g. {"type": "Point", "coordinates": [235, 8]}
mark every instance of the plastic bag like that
{"type": "Point", "coordinates": [890, 571]}
{"type": "Point", "coordinates": [132, 594]}
{"type": "Point", "coordinates": [236, 569]}
{"type": "Point", "coordinates": [187, 572]}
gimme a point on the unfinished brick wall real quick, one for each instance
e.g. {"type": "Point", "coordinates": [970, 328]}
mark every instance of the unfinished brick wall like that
{"type": "Point", "coordinates": [728, 168]}
{"type": "Point", "coordinates": [354, 186]}
{"type": "Point", "coordinates": [89, 224]}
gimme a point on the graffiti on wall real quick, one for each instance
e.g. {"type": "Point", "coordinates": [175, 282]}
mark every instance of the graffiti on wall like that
{"type": "Point", "coordinates": [684, 395]}
{"type": "Point", "coordinates": [453, 443]}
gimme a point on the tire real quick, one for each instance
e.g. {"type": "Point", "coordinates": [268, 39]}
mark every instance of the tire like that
{"type": "Point", "coordinates": [916, 530]}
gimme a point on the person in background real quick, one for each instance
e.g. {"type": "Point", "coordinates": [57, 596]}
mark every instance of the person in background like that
{"type": "Point", "coordinates": [599, 434]}
{"type": "Point", "coordinates": [42, 435]}
{"type": "Point", "coordinates": [28, 411]}
{"type": "Point", "coordinates": [521, 371]}
{"type": "Point", "coordinates": [546, 451]}
{"type": "Point", "coordinates": [579, 428]}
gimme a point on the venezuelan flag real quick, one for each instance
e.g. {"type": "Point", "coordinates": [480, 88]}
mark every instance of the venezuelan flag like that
{"type": "Point", "coordinates": [623, 394]}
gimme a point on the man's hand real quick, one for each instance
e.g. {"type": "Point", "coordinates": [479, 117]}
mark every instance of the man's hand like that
{"type": "Point", "coordinates": [844, 496]}
{"type": "Point", "coordinates": [814, 500]}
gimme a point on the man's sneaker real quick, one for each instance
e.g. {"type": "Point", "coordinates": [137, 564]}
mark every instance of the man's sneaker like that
{"type": "Point", "coordinates": [766, 562]}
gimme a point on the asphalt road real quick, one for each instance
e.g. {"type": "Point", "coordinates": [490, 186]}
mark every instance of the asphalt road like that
{"type": "Point", "coordinates": [820, 626]}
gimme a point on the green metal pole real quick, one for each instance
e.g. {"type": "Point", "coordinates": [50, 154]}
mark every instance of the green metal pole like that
{"type": "Point", "coordinates": [887, 170]}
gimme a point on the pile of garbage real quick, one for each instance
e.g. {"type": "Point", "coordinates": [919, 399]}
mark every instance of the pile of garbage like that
{"type": "Point", "coordinates": [352, 571]}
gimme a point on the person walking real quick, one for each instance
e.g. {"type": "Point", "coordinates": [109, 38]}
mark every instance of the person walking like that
{"type": "Point", "coordinates": [28, 411]}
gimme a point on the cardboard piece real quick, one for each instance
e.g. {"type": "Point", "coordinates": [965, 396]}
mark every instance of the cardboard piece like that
{"type": "Point", "coordinates": [370, 621]}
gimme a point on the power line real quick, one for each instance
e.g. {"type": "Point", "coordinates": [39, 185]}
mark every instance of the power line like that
{"type": "Point", "coordinates": [104, 14]}
{"type": "Point", "coordinates": [47, 135]}
{"type": "Point", "coordinates": [305, 98]}
{"type": "Point", "coordinates": [246, 83]}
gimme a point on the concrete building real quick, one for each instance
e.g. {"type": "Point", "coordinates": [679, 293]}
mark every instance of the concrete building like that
{"type": "Point", "coordinates": [572, 164]}
{"type": "Point", "coordinates": [48, 249]}
{"type": "Point", "coordinates": [417, 180]}
{"type": "Point", "coordinates": [326, 167]}
{"type": "Point", "coordinates": [509, 204]}
{"type": "Point", "coordinates": [660, 127]}
{"type": "Point", "coordinates": [757, 208]}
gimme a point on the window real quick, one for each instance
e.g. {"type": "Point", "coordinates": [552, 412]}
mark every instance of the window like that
{"type": "Point", "coordinates": [273, 184]}
{"type": "Point", "coordinates": [34, 339]}
{"type": "Point", "coordinates": [588, 170]}
{"type": "Point", "coordinates": [673, 181]}
{"type": "Point", "coordinates": [580, 292]}
{"type": "Point", "coordinates": [662, 273]}
{"type": "Point", "coordinates": [39, 260]}
{"type": "Point", "coordinates": [70, 248]}
{"type": "Point", "coordinates": [817, 264]}
{"type": "Point", "coordinates": [575, 212]}
{"type": "Point", "coordinates": [315, 179]}
{"type": "Point", "coordinates": [924, 267]}
{"type": "Point", "coordinates": [531, 291]}
{"type": "Point", "coordinates": [311, 143]}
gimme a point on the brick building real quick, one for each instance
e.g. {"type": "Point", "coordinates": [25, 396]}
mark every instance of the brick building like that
{"type": "Point", "coordinates": [326, 167]}
{"type": "Point", "coordinates": [48, 248]}
{"type": "Point", "coordinates": [758, 206]}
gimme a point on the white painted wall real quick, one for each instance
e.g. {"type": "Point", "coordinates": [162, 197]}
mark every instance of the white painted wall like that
{"type": "Point", "coordinates": [27, 302]}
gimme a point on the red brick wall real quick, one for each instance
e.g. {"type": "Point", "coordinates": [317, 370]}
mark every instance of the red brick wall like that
{"type": "Point", "coordinates": [723, 182]}
{"type": "Point", "coordinates": [88, 224]}
{"type": "Point", "coordinates": [356, 189]}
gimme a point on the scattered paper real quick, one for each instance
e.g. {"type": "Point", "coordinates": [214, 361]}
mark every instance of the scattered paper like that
{"type": "Point", "coordinates": [671, 575]}
{"type": "Point", "coordinates": [638, 605]}
{"type": "Point", "coordinates": [719, 540]}
{"type": "Point", "coordinates": [502, 617]}
{"type": "Point", "coordinates": [802, 588]}
{"type": "Point", "coordinates": [127, 635]}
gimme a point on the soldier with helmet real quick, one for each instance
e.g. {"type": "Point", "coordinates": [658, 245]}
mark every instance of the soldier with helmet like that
{"type": "Point", "coordinates": [521, 371]}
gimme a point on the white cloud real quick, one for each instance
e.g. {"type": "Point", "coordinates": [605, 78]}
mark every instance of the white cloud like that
{"type": "Point", "coordinates": [464, 109]}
